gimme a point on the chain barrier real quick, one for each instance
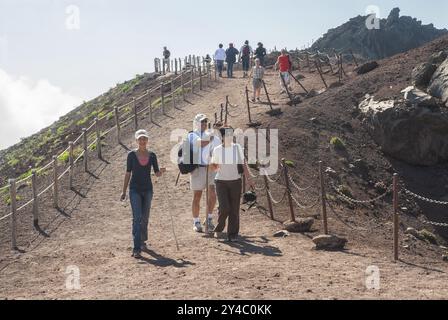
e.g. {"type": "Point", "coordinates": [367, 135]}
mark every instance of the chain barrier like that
{"type": "Point", "coordinates": [354, 201]}
{"type": "Point", "coordinates": [442, 203]}
{"type": "Point", "coordinates": [276, 202]}
{"type": "Point", "coordinates": [304, 207]}
{"type": "Point", "coordinates": [296, 186]}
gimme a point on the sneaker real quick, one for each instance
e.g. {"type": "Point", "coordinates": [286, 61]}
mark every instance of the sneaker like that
{"type": "Point", "coordinates": [136, 255]}
{"type": "Point", "coordinates": [233, 239]}
{"type": "Point", "coordinates": [211, 226]}
{"type": "Point", "coordinates": [197, 227]}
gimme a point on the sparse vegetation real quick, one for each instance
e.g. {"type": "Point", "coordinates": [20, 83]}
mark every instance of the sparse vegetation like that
{"type": "Point", "coordinates": [337, 143]}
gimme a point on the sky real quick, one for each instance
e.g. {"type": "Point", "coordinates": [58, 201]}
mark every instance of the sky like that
{"type": "Point", "coordinates": [55, 54]}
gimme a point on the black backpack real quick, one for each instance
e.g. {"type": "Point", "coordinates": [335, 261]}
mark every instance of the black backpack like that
{"type": "Point", "coordinates": [186, 150]}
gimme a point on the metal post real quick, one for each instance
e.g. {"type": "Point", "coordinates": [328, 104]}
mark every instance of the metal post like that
{"type": "Point", "coordinates": [71, 162]}
{"type": "Point", "coordinates": [163, 67]}
{"type": "Point", "coordinates": [55, 183]}
{"type": "Point", "coordinates": [396, 219]}
{"type": "Point", "coordinates": [85, 147]}
{"type": "Point", "coordinates": [35, 199]}
{"type": "Point", "coordinates": [288, 188]}
{"type": "Point", "coordinates": [134, 107]}
{"type": "Point", "coordinates": [117, 123]}
{"type": "Point", "coordinates": [13, 195]}
{"type": "Point", "coordinates": [354, 58]}
{"type": "Point", "coordinates": [323, 195]}
{"type": "Point", "coordinates": [227, 113]}
{"type": "Point", "coordinates": [98, 139]}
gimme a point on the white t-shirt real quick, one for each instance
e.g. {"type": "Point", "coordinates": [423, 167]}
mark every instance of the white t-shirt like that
{"type": "Point", "coordinates": [220, 54]}
{"type": "Point", "coordinates": [205, 151]}
{"type": "Point", "coordinates": [228, 160]}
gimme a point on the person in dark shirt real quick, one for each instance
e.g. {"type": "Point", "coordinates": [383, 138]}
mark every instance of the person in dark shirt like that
{"type": "Point", "coordinates": [231, 58]}
{"type": "Point", "coordinates": [260, 53]}
{"type": "Point", "coordinates": [138, 173]}
{"type": "Point", "coordinates": [166, 58]}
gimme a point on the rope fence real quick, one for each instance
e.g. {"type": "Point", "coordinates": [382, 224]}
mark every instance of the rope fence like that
{"type": "Point", "coordinates": [155, 96]}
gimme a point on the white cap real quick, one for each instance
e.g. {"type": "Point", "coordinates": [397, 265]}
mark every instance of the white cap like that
{"type": "Point", "coordinates": [200, 117]}
{"type": "Point", "coordinates": [141, 133]}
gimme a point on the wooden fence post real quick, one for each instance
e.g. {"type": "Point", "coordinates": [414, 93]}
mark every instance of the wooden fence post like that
{"type": "Point", "coordinates": [354, 58]}
{"type": "Point", "coordinates": [248, 105]}
{"type": "Point", "coordinates": [396, 219]}
{"type": "Point", "coordinates": [117, 123]}
{"type": "Point", "coordinates": [192, 80]}
{"type": "Point", "coordinates": [134, 107]}
{"type": "Point", "coordinates": [85, 148]}
{"type": "Point", "coordinates": [182, 85]}
{"type": "Point", "coordinates": [267, 95]}
{"type": "Point", "coordinates": [162, 97]}
{"type": "Point", "coordinates": [173, 94]}
{"type": "Point", "coordinates": [35, 199]}
{"type": "Point", "coordinates": [323, 195]}
{"type": "Point", "coordinates": [150, 106]}
{"type": "Point", "coordinates": [268, 196]}
{"type": "Point", "coordinates": [288, 189]}
{"type": "Point", "coordinates": [227, 112]}
{"type": "Point", "coordinates": [320, 73]}
{"type": "Point", "coordinates": [200, 78]}
{"type": "Point", "coordinates": [300, 84]}
{"type": "Point", "coordinates": [13, 195]}
{"type": "Point", "coordinates": [55, 183]}
{"type": "Point", "coordinates": [98, 140]}
{"type": "Point", "coordinates": [71, 162]}
{"type": "Point", "coordinates": [286, 88]}
{"type": "Point", "coordinates": [163, 67]}
{"type": "Point", "coordinates": [222, 113]}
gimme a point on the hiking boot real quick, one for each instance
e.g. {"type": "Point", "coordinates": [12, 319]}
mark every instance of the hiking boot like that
{"type": "Point", "coordinates": [211, 226]}
{"type": "Point", "coordinates": [197, 227]}
{"type": "Point", "coordinates": [220, 236]}
{"type": "Point", "coordinates": [136, 255]}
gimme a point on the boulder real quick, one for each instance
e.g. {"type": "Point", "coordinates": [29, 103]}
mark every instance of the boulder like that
{"type": "Point", "coordinates": [420, 98]}
{"type": "Point", "coordinates": [413, 232]}
{"type": "Point", "coordinates": [329, 242]}
{"type": "Point", "coordinates": [438, 87]}
{"type": "Point", "coordinates": [438, 58]}
{"type": "Point", "coordinates": [367, 67]}
{"type": "Point", "coordinates": [281, 234]}
{"type": "Point", "coordinates": [299, 226]}
{"type": "Point", "coordinates": [416, 135]}
{"type": "Point", "coordinates": [422, 74]}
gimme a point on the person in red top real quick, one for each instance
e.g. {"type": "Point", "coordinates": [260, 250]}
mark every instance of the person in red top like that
{"type": "Point", "coordinates": [284, 65]}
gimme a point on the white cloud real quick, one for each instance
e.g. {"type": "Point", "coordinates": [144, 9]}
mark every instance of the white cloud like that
{"type": "Point", "coordinates": [27, 106]}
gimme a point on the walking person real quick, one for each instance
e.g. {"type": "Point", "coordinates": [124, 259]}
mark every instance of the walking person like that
{"type": "Point", "coordinates": [260, 53]}
{"type": "Point", "coordinates": [208, 61]}
{"type": "Point", "coordinates": [166, 58]}
{"type": "Point", "coordinates": [257, 75]}
{"type": "Point", "coordinates": [246, 54]}
{"type": "Point", "coordinates": [203, 142]}
{"type": "Point", "coordinates": [139, 164]}
{"type": "Point", "coordinates": [220, 58]}
{"type": "Point", "coordinates": [231, 58]}
{"type": "Point", "coordinates": [284, 65]}
{"type": "Point", "coordinates": [229, 163]}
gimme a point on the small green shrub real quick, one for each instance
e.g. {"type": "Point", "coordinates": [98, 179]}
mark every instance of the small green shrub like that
{"type": "Point", "coordinates": [337, 143]}
{"type": "Point", "coordinates": [428, 236]}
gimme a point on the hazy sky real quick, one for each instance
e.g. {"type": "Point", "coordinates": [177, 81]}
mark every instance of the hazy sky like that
{"type": "Point", "coordinates": [48, 65]}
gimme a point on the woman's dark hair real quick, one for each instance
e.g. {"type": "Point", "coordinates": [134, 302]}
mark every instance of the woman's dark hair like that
{"type": "Point", "coordinates": [226, 131]}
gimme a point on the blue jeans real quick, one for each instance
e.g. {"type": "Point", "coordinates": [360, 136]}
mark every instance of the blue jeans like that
{"type": "Point", "coordinates": [230, 69]}
{"type": "Point", "coordinates": [141, 206]}
{"type": "Point", "coordinates": [246, 63]}
{"type": "Point", "coordinates": [220, 64]}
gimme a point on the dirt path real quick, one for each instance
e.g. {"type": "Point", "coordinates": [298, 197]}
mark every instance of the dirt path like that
{"type": "Point", "coordinates": [97, 239]}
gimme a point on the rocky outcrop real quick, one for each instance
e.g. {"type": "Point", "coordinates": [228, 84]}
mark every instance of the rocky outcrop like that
{"type": "Point", "coordinates": [299, 226]}
{"type": "Point", "coordinates": [396, 35]}
{"type": "Point", "coordinates": [367, 67]}
{"type": "Point", "coordinates": [408, 131]}
{"type": "Point", "coordinates": [438, 87]}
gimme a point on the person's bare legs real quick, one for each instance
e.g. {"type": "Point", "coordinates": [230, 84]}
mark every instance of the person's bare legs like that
{"type": "Point", "coordinates": [196, 203]}
{"type": "Point", "coordinates": [212, 199]}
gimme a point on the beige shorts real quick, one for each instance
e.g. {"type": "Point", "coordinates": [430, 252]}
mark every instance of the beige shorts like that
{"type": "Point", "coordinates": [198, 179]}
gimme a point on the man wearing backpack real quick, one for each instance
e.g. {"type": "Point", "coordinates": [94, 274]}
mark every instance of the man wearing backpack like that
{"type": "Point", "coordinates": [260, 53]}
{"type": "Point", "coordinates": [166, 58]}
{"type": "Point", "coordinates": [231, 54]}
{"type": "Point", "coordinates": [246, 53]}
{"type": "Point", "coordinates": [202, 144]}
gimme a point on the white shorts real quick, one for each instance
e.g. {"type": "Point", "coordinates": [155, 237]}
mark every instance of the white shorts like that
{"type": "Point", "coordinates": [198, 179]}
